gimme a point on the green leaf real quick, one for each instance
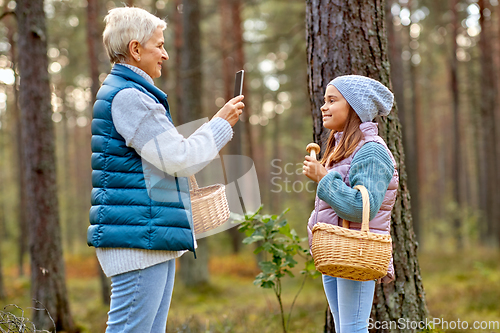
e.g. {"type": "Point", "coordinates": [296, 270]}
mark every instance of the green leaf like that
{"type": "Point", "coordinates": [285, 230]}
{"type": "Point", "coordinates": [283, 223]}
{"type": "Point", "coordinates": [268, 267]}
{"type": "Point", "coordinates": [252, 239]}
{"type": "Point", "coordinates": [267, 284]}
{"type": "Point", "coordinates": [258, 250]}
{"type": "Point", "coordinates": [267, 247]}
{"type": "Point", "coordinates": [289, 261]}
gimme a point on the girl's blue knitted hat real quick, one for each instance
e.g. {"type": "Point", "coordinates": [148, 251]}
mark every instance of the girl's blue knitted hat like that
{"type": "Point", "coordinates": [366, 96]}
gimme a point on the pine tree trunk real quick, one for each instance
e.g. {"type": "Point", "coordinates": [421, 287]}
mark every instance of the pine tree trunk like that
{"type": "Point", "coordinates": [350, 38]}
{"type": "Point", "coordinates": [227, 48]}
{"type": "Point", "coordinates": [456, 140]}
{"type": "Point", "coordinates": [192, 272]}
{"type": "Point", "coordinates": [405, 111]}
{"type": "Point", "coordinates": [177, 115]}
{"type": "Point", "coordinates": [191, 76]}
{"type": "Point", "coordinates": [22, 246]}
{"type": "Point", "coordinates": [48, 286]}
{"type": "Point", "coordinates": [489, 137]}
{"type": "Point", "coordinates": [93, 42]}
{"type": "Point", "coordinates": [232, 61]}
{"type": "Point", "coordinates": [415, 127]}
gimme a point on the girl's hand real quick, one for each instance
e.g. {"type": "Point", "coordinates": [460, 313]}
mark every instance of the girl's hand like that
{"type": "Point", "coordinates": [313, 169]}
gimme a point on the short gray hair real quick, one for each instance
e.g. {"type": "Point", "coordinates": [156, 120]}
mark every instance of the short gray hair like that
{"type": "Point", "coordinates": [125, 24]}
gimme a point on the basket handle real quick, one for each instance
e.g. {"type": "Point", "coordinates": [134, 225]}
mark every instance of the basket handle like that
{"type": "Point", "coordinates": [365, 226]}
{"type": "Point", "coordinates": [194, 184]}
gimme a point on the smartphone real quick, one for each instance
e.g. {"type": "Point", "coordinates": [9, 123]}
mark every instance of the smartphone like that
{"type": "Point", "coordinates": [238, 83]}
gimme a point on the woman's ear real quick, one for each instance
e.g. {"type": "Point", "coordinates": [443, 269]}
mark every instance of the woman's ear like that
{"type": "Point", "coordinates": [134, 49]}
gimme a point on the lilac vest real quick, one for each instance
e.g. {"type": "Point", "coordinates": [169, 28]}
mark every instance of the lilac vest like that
{"type": "Point", "coordinates": [381, 223]}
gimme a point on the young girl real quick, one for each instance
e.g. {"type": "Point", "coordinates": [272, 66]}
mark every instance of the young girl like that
{"type": "Point", "coordinates": [354, 155]}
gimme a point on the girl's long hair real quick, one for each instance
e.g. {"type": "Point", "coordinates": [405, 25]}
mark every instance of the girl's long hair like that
{"type": "Point", "coordinates": [350, 139]}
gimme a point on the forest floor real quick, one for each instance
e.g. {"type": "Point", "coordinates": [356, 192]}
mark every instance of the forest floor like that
{"type": "Point", "coordinates": [459, 286]}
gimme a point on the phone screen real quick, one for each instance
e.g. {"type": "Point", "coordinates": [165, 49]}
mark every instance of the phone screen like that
{"type": "Point", "coordinates": [238, 83]}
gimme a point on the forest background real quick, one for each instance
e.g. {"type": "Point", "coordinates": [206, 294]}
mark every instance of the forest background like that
{"type": "Point", "coordinates": [444, 67]}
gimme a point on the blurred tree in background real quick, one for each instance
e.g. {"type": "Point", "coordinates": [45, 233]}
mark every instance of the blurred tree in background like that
{"type": "Point", "coordinates": [48, 280]}
{"type": "Point", "coordinates": [192, 271]}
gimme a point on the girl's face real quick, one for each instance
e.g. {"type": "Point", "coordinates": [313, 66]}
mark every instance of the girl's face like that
{"type": "Point", "coordinates": [335, 110]}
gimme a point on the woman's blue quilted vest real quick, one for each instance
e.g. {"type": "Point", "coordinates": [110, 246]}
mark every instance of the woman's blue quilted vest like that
{"type": "Point", "coordinates": [134, 205]}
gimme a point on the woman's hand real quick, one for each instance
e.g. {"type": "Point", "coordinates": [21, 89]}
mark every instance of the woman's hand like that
{"type": "Point", "coordinates": [313, 169]}
{"type": "Point", "coordinates": [231, 110]}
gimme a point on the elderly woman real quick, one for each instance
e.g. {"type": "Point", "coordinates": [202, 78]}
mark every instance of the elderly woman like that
{"type": "Point", "coordinates": [140, 215]}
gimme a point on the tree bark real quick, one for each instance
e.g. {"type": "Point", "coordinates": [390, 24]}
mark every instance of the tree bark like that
{"type": "Point", "coordinates": [329, 322]}
{"type": "Point", "coordinates": [497, 118]}
{"type": "Point", "coordinates": [191, 76]}
{"type": "Point", "coordinates": [489, 137]}
{"type": "Point", "coordinates": [93, 42]}
{"type": "Point", "coordinates": [48, 286]}
{"type": "Point", "coordinates": [350, 38]}
{"type": "Point", "coordinates": [22, 243]}
{"type": "Point", "coordinates": [193, 272]}
{"type": "Point", "coordinates": [232, 61]}
{"type": "Point", "coordinates": [227, 48]}
{"type": "Point", "coordinates": [405, 113]}
{"type": "Point", "coordinates": [245, 127]}
{"type": "Point", "coordinates": [178, 42]}
{"type": "Point", "coordinates": [456, 140]}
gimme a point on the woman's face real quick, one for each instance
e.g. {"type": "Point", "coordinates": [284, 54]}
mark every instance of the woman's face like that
{"type": "Point", "coordinates": [335, 110]}
{"type": "Point", "coordinates": [152, 54]}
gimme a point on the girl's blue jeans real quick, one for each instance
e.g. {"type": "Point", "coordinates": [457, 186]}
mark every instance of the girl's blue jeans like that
{"type": "Point", "coordinates": [350, 303]}
{"type": "Point", "coordinates": [140, 299]}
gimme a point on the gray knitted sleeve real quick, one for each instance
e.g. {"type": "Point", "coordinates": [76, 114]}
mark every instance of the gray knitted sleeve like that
{"type": "Point", "coordinates": [143, 124]}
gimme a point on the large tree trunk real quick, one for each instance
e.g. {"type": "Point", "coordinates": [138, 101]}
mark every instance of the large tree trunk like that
{"type": "Point", "coordinates": [232, 61]}
{"type": "Point", "coordinates": [489, 137]}
{"type": "Point", "coordinates": [48, 286]}
{"type": "Point", "coordinates": [192, 272]}
{"type": "Point", "coordinates": [350, 38]}
{"type": "Point", "coordinates": [93, 42]}
{"type": "Point", "coordinates": [10, 24]}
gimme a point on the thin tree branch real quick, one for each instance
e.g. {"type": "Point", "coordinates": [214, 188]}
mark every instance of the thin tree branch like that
{"type": "Point", "coordinates": [294, 299]}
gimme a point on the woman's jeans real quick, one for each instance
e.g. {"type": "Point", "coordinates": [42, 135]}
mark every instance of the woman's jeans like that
{"type": "Point", "coordinates": [140, 299]}
{"type": "Point", "coordinates": [350, 303]}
